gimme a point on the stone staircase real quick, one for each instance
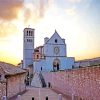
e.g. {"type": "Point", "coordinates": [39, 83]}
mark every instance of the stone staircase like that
{"type": "Point", "coordinates": [36, 82]}
{"type": "Point", "coordinates": [42, 80]}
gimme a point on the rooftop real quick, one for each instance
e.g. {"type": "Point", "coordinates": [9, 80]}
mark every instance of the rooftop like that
{"type": "Point", "coordinates": [11, 69]}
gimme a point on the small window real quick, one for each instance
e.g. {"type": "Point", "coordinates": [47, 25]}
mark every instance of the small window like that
{"type": "Point", "coordinates": [27, 33]}
{"type": "Point", "coordinates": [36, 50]}
{"type": "Point", "coordinates": [37, 56]}
{"type": "Point", "coordinates": [0, 77]}
{"type": "Point", "coordinates": [55, 40]}
{"type": "Point", "coordinates": [29, 40]}
{"type": "Point", "coordinates": [41, 68]}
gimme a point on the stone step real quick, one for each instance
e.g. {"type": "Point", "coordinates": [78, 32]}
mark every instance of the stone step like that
{"type": "Point", "coordinates": [36, 82]}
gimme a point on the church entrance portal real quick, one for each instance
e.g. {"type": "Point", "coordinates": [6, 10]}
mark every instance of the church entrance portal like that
{"type": "Point", "coordinates": [56, 65]}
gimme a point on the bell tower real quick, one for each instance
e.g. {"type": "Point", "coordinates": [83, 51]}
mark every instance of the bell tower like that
{"type": "Point", "coordinates": [28, 46]}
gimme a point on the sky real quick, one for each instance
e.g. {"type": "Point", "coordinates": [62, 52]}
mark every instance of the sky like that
{"type": "Point", "coordinates": [78, 21]}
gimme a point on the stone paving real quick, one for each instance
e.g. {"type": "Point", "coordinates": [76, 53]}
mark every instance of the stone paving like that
{"type": "Point", "coordinates": [39, 94]}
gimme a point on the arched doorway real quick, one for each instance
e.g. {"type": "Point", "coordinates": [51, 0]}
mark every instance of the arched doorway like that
{"type": "Point", "coordinates": [56, 65]}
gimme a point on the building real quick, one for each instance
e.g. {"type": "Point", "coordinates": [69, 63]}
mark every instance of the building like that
{"type": "Point", "coordinates": [28, 47]}
{"type": "Point", "coordinates": [12, 80]}
{"type": "Point", "coordinates": [52, 56]}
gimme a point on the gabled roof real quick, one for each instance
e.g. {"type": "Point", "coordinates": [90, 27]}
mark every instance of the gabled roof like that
{"type": "Point", "coordinates": [10, 69]}
{"type": "Point", "coordinates": [39, 47]}
{"type": "Point", "coordinates": [55, 36]}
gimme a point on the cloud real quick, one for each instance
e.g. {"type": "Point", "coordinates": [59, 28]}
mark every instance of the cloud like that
{"type": "Point", "coordinates": [35, 10]}
{"type": "Point", "coordinates": [43, 6]}
{"type": "Point", "coordinates": [74, 1]}
{"type": "Point", "coordinates": [26, 13]}
{"type": "Point", "coordinates": [9, 9]}
{"type": "Point", "coordinates": [71, 11]}
{"type": "Point", "coordinates": [7, 28]}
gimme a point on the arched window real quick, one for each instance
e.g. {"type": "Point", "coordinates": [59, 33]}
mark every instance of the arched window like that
{"type": "Point", "coordinates": [37, 56]}
{"type": "Point", "coordinates": [31, 33]}
{"type": "Point", "coordinates": [27, 33]}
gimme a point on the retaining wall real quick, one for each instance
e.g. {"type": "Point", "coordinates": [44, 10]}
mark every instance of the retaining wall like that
{"type": "Point", "coordinates": [83, 82]}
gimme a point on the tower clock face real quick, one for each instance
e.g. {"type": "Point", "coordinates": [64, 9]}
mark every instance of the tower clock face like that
{"type": "Point", "coordinates": [56, 50]}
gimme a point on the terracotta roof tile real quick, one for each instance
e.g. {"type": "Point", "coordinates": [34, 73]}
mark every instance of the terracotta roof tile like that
{"type": "Point", "coordinates": [11, 69]}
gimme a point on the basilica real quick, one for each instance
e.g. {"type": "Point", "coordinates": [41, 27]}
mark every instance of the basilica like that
{"type": "Point", "coordinates": [51, 56]}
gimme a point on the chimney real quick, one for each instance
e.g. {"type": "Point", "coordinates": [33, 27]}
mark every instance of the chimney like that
{"type": "Point", "coordinates": [45, 40]}
{"type": "Point", "coordinates": [63, 40]}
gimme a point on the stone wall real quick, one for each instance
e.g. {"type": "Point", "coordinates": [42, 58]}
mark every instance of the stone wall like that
{"type": "Point", "coordinates": [2, 89]}
{"type": "Point", "coordinates": [83, 83]}
{"type": "Point", "coordinates": [15, 85]}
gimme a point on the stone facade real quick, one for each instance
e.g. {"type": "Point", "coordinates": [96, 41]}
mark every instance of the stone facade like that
{"type": "Point", "coordinates": [52, 56]}
{"type": "Point", "coordinates": [2, 89]}
{"type": "Point", "coordinates": [84, 83]}
{"type": "Point", "coordinates": [15, 84]}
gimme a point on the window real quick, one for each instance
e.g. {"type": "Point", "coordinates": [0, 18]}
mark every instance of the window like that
{"type": "Point", "coordinates": [0, 77]}
{"type": "Point", "coordinates": [31, 33]}
{"type": "Point", "coordinates": [29, 40]}
{"type": "Point", "coordinates": [55, 40]}
{"type": "Point", "coordinates": [41, 68]}
{"type": "Point", "coordinates": [27, 33]}
{"type": "Point", "coordinates": [36, 50]}
{"type": "Point", "coordinates": [37, 56]}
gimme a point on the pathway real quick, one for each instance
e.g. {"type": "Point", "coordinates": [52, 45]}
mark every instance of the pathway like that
{"type": "Point", "coordinates": [39, 94]}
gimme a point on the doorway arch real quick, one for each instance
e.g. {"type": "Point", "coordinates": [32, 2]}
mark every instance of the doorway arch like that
{"type": "Point", "coordinates": [56, 64]}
